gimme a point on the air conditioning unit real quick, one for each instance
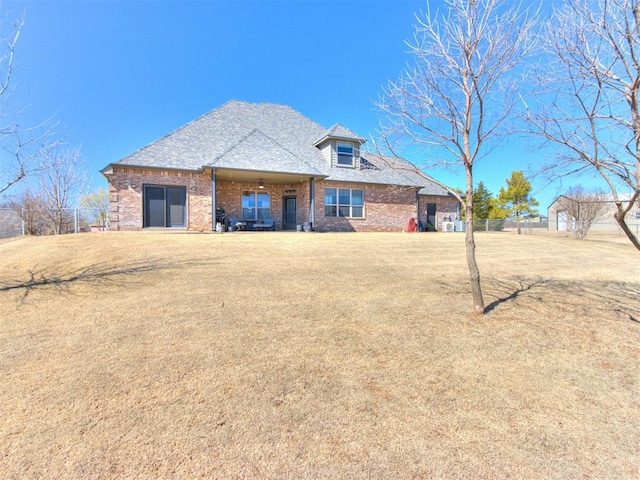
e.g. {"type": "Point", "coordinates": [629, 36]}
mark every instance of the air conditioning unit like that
{"type": "Point", "coordinates": [447, 227]}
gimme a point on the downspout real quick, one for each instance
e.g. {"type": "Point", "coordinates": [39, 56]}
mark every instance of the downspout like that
{"type": "Point", "coordinates": [312, 201]}
{"type": "Point", "coordinates": [418, 208]}
{"type": "Point", "coordinates": [213, 199]}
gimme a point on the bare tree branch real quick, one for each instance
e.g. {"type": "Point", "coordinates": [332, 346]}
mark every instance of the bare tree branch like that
{"type": "Point", "coordinates": [589, 101]}
{"type": "Point", "coordinates": [461, 88]}
{"type": "Point", "coordinates": [62, 181]}
{"type": "Point", "coordinates": [583, 208]}
{"type": "Point", "coordinates": [20, 147]}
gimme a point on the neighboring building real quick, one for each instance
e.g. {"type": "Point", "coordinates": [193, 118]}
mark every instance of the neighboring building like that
{"type": "Point", "coordinates": [10, 223]}
{"type": "Point", "coordinates": [266, 161]}
{"type": "Point", "coordinates": [562, 220]}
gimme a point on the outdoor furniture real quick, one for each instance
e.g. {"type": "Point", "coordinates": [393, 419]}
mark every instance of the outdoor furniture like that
{"type": "Point", "coordinates": [235, 224]}
{"type": "Point", "coordinates": [265, 224]}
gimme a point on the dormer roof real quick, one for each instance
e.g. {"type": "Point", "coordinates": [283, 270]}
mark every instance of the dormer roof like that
{"type": "Point", "coordinates": [340, 132]}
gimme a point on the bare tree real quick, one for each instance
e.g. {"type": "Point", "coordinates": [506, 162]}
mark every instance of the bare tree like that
{"type": "Point", "coordinates": [455, 98]}
{"type": "Point", "coordinates": [62, 182]}
{"type": "Point", "coordinates": [30, 207]}
{"type": "Point", "coordinates": [592, 103]}
{"type": "Point", "coordinates": [98, 202]}
{"type": "Point", "coordinates": [583, 208]}
{"type": "Point", "coordinates": [20, 146]}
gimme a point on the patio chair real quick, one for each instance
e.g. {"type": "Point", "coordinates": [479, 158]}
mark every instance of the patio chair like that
{"type": "Point", "coordinates": [265, 224]}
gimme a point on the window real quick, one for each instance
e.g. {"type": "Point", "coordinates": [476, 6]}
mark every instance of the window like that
{"type": "Point", "coordinates": [256, 206]}
{"type": "Point", "coordinates": [164, 206]}
{"type": "Point", "coordinates": [637, 215]}
{"type": "Point", "coordinates": [345, 154]}
{"type": "Point", "coordinates": [343, 202]}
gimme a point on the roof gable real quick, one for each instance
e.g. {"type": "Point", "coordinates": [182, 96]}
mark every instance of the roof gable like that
{"type": "Point", "coordinates": [272, 156]}
{"type": "Point", "coordinates": [339, 132]}
{"type": "Point", "coordinates": [207, 139]}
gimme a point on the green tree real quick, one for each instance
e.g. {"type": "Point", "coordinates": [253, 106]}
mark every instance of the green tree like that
{"type": "Point", "coordinates": [516, 199]}
{"type": "Point", "coordinates": [485, 207]}
{"type": "Point", "coordinates": [482, 204]}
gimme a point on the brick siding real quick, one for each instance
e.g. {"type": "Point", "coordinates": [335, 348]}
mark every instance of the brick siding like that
{"type": "Point", "coordinates": [445, 206]}
{"type": "Point", "coordinates": [125, 196]}
{"type": "Point", "coordinates": [387, 208]}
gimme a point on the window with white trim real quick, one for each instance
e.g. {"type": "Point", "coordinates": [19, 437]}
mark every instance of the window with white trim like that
{"type": "Point", "coordinates": [256, 205]}
{"type": "Point", "coordinates": [343, 202]}
{"type": "Point", "coordinates": [345, 154]}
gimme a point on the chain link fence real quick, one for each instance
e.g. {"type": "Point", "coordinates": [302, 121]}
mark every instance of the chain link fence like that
{"type": "Point", "coordinates": [600, 229]}
{"type": "Point", "coordinates": [532, 227]}
{"type": "Point", "coordinates": [526, 225]}
{"type": "Point", "coordinates": [79, 220]}
{"type": "Point", "coordinates": [45, 222]}
{"type": "Point", "coordinates": [504, 225]}
{"type": "Point", "coordinates": [609, 229]}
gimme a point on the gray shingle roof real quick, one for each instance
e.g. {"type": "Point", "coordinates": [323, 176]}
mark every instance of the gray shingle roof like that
{"type": "Point", "coordinates": [271, 138]}
{"type": "Point", "coordinates": [214, 139]}
{"type": "Point", "coordinates": [342, 132]}
{"type": "Point", "coordinates": [272, 156]}
{"type": "Point", "coordinates": [386, 170]}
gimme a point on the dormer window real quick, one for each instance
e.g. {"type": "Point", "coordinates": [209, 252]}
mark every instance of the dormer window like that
{"type": "Point", "coordinates": [345, 154]}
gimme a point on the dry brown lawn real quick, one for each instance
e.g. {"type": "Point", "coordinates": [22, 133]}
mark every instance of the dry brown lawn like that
{"type": "Point", "coordinates": [298, 355]}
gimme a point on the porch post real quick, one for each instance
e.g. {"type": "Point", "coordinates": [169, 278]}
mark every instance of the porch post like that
{"type": "Point", "coordinates": [213, 199]}
{"type": "Point", "coordinates": [312, 201]}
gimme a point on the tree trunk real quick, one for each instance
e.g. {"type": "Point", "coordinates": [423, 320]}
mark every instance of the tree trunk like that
{"type": "Point", "coordinates": [474, 271]}
{"type": "Point", "coordinates": [620, 218]}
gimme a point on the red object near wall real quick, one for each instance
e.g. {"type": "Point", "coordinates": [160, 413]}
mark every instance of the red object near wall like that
{"type": "Point", "coordinates": [412, 226]}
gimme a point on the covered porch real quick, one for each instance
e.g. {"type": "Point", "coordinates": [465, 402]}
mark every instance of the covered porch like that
{"type": "Point", "coordinates": [254, 199]}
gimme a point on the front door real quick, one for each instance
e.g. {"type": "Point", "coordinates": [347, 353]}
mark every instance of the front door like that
{"type": "Point", "coordinates": [431, 217]}
{"type": "Point", "coordinates": [290, 216]}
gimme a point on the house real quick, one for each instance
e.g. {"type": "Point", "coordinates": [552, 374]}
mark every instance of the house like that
{"type": "Point", "coordinates": [267, 161]}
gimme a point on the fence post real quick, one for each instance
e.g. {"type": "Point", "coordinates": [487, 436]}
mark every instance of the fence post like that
{"type": "Point", "coordinates": [486, 225]}
{"type": "Point", "coordinates": [75, 220]}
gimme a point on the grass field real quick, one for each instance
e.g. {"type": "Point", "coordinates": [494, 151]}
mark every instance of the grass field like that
{"type": "Point", "coordinates": [275, 355]}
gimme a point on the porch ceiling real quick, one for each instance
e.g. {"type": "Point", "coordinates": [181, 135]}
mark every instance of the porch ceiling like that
{"type": "Point", "coordinates": [252, 176]}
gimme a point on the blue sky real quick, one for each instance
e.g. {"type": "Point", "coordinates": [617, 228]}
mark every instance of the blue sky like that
{"type": "Point", "coordinates": [118, 75]}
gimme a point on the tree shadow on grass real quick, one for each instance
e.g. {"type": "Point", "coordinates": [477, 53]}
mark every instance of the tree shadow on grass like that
{"type": "Point", "coordinates": [584, 297]}
{"type": "Point", "coordinates": [105, 273]}
{"type": "Point", "coordinates": [511, 289]}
